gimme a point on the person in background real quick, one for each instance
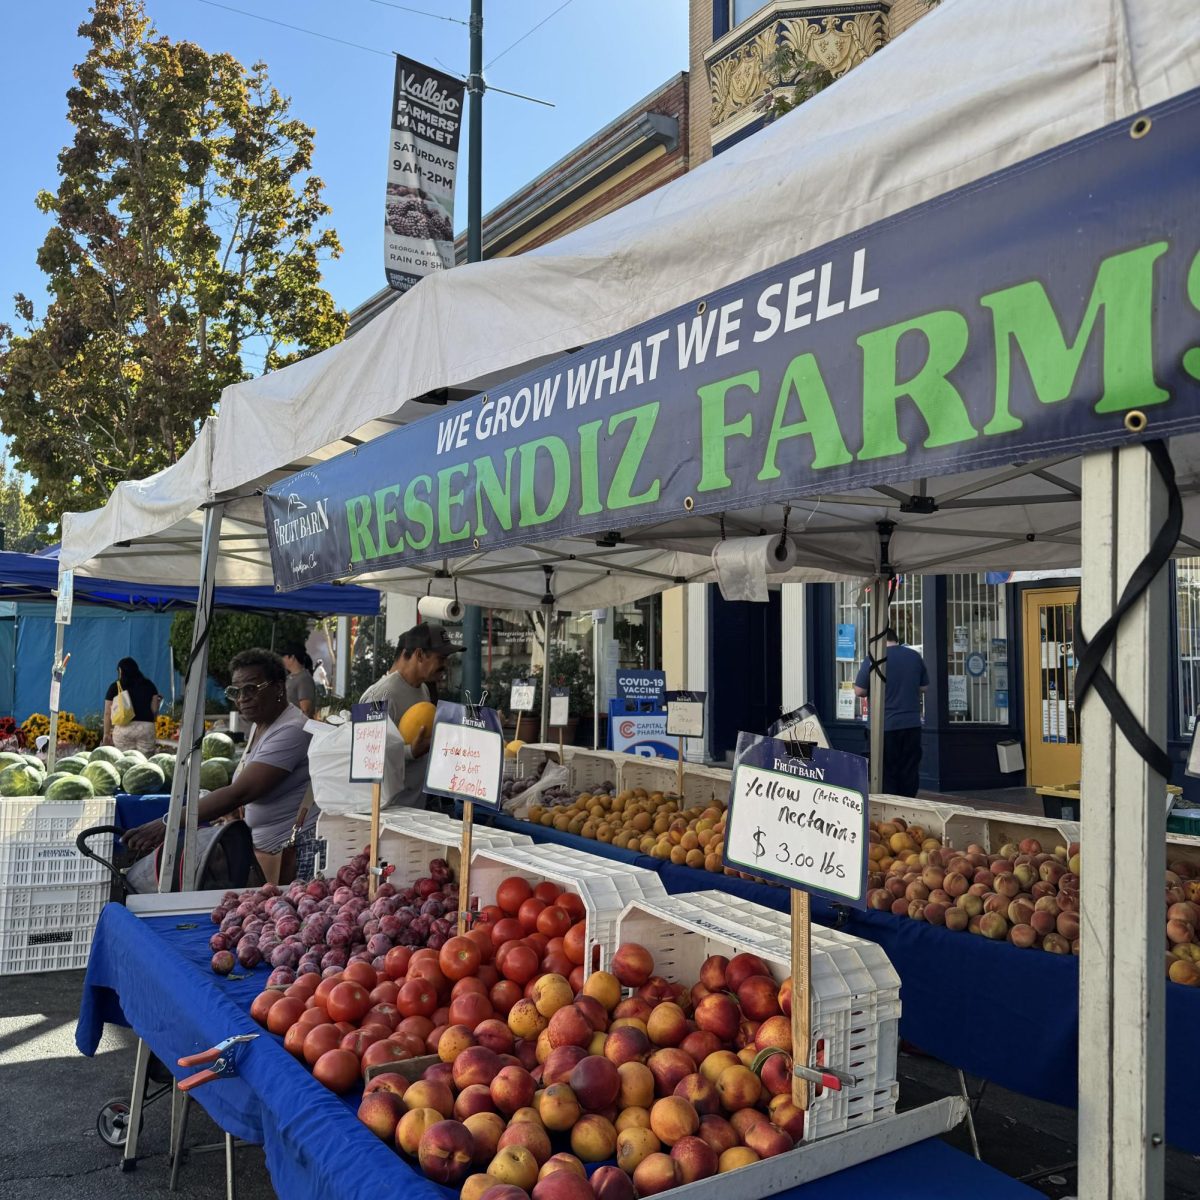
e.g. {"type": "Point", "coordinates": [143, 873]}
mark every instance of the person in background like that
{"type": "Point", "coordinates": [420, 664]}
{"type": "Point", "coordinates": [137, 734]}
{"type": "Point", "coordinates": [906, 678]}
{"type": "Point", "coordinates": [271, 783]}
{"type": "Point", "coordinates": [301, 690]}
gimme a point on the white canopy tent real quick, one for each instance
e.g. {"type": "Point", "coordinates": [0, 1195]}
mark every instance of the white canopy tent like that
{"type": "Point", "coordinates": [955, 100]}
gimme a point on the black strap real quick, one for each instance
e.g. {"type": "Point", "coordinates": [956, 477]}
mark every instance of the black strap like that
{"type": "Point", "coordinates": [878, 664]}
{"type": "Point", "coordinates": [1090, 655]}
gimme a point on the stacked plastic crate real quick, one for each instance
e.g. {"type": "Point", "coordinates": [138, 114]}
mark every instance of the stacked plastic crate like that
{"type": "Point", "coordinates": [50, 894]}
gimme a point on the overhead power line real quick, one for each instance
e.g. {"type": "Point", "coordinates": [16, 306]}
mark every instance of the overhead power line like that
{"type": "Point", "coordinates": [528, 32]}
{"type": "Point", "coordinates": [420, 12]}
{"type": "Point", "coordinates": [297, 28]}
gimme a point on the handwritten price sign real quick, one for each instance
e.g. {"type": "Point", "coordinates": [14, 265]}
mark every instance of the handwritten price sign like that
{"type": "Point", "coordinates": [466, 755]}
{"type": "Point", "coordinates": [802, 822]}
{"type": "Point", "coordinates": [369, 741]}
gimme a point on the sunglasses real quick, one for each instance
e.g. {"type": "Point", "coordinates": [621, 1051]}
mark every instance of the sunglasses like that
{"type": "Point", "coordinates": [234, 694]}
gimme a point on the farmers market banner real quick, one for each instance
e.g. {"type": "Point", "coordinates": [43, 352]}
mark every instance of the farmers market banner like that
{"type": "Point", "coordinates": [422, 161]}
{"type": "Point", "coordinates": [1017, 319]}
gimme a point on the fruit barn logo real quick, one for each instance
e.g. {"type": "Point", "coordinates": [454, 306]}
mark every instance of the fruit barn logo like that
{"type": "Point", "coordinates": [302, 521]}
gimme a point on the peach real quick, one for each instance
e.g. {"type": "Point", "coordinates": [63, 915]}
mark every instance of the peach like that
{"type": "Point", "coordinates": [1055, 943]}
{"type": "Point", "coordinates": [983, 879]}
{"type": "Point", "coordinates": [699, 1093]}
{"type": "Point", "coordinates": [445, 1152]}
{"type": "Point", "coordinates": [412, 1126]}
{"type": "Point", "coordinates": [667, 1025]}
{"type": "Point", "coordinates": [1068, 925]}
{"type": "Point", "coordinates": [504, 1191]}
{"type": "Point", "coordinates": [486, 1128]}
{"type": "Point", "coordinates": [514, 1165]}
{"type": "Point", "coordinates": [475, 1098]}
{"type": "Point", "coordinates": [390, 1082]}
{"type": "Point", "coordinates": [738, 1087]}
{"type": "Point", "coordinates": [1020, 910]}
{"type": "Point", "coordinates": [776, 1074]}
{"type": "Point", "coordinates": [494, 1034]}
{"type": "Point", "coordinates": [767, 1140]}
{"type": "Point", "coordinates": [1007, 884]}
{"type": "Point", "coordinates": [453, 1042]}
{"type": "Point", "coordinates": [550, 993]}
{"type": "Point", "coordinates": [476, 1064]}
{"type": "Point", "coordinates": [569, 1026]}
{"type": "Point", "coordinates": [694, 1159]}
{"type": "Point", "coordinates": [1179, 932]}
{"type": "Point", "coordinates": [1023, 936]}
{"type": "Point", "coordinates": [993, 903]}
{"type": "Point", "coordinates": [736, 1156]}
{"type": "Point", "coordinates": [529, 1136]}
{"type": "Point", "coordinates": [593, 1138]}
{"type": "Point", "coordinates": [595, 1012]}
{"type": "Point", "coordinates": [880, 899]}
{"type": "Point", "coordinates": [672, 1118]}
{"type": "Point", "coordinates": [717, 1132]}
{"type": "Point", "coordinates": [712, 1066]}
{"type": "Point", "coordinates": [655, 1173]}
{"type": "Point", "coordinates": [562, 1162]}
{"type": "Point", "coordinates": [633, 1145]}
{"type": "Point", "coordinates": [563, 1185]}
{"type": "Point", "coordinates": [955, 884]}
{"type": "Point", "coordinates": [544, 1047]}
{"type": "Point", "coordinates": [712, 972]}
{"type": "Point", "coordinates": [633, 1117]}
{"type": "Point", "coordinates": [525, 1021]}
{"type": "Point", "coordinates": [719, 1015]}
{"type": "Point", "coordinates": [611, 1183]}
{"type": "Point", "coordinates": [741, 967]}
{"type": "Point", "coordinates": [759, 997]}
{"type": "Point", "coordinates": [956, 919]}
{"type": "Point", "coordinates": [1184, 972]}
{"type": "Point", "coordinates": [596, 1083]}
{"type": "Point", "coordinates": [916, 891]}
{"type": "Point", "coordinates": [699, 1044]}
{"type": "Point", "coordinates": [744, 1118]}
{"type": "Point", "coordinates": [971, 904]}
{"type": "Point", "coordinates": [669, 1066]}
{"type": "Point", "coordinates": [475, 1185]}
{"type": "Point", "coordinates": [635, 1008]}
{"type": "Point", "coordinates": [604, 987]}
{"type": "Point", "coordinates": [935, 912]}
{"type": "Point", "coordinates": [380, 1112]}
{"type": "Point", "coordinates": [558, 1107]}
{"type": "Point", "coordinates": [511, 1089]}
{"type": "Point", "coordinates": [632, 965]}
{"type": "Point", "coordinates": [560, 1063]}
{"type": "Point", "coordinates": [637, 1085]}
{"type": "Point", "coordinates": [788, 1117]}
{"type": "Point", "coordinates": [429, 1093]}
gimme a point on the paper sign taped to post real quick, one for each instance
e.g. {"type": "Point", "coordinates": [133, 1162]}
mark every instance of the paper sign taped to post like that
{"type": "Point", "coordinates": [685, 714]}
{"type": "Point", "coordinates": [466, 756]}
{"type": "Point", "coordinates": [560, 701]}
{"type": "Point", "coordinates": [368, 745]}
{"type": "Point", "coordinates": [521, 699]}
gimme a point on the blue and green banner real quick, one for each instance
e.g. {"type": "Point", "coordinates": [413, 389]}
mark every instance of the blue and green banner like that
{"type": "Point", "coordinates": [1020, 318]}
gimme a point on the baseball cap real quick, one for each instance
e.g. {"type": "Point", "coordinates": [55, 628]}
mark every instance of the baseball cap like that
{"type": "Point", "coordinates": [430, 638]}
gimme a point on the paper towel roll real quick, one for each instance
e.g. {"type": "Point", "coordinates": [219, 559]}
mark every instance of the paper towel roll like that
{"type": "Point", "coordinates": [438, 608]}
{"type": "Point", "coordinates": [743, 565]}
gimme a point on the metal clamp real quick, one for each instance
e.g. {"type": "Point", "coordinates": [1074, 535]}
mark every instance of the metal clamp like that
{"type": "Point", "coordinates": [827, 1077]}
{"type": "Point", "coordinates": [383, 870]}
{"type": "Point", "coordinates": [221, 1056]}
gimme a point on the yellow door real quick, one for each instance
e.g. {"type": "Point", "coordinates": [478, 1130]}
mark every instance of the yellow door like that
{"type": "Point", "coordinates": [1051, 722]}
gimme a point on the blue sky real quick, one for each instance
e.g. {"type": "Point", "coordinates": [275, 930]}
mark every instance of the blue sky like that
{"type": "Point", "coordinates": [593, 59]}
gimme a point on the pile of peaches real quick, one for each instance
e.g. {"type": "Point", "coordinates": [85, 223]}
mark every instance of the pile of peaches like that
{"type": "Point", "coordinates": [523, 1083]}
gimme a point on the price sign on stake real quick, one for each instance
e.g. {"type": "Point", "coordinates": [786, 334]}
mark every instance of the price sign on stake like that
{"type": "Point", "coordinates": [560, 699]}
{"type": "Point", "coordinates": [368, 743]}
{"type": "Point", "coordinates": [685, 718]}
{"type": "Point", "coordinates": [803, 822]}
{"type": "Point", "coordinates": [466, 762]}
{"type": "Point", "coordinates": [521, 701]}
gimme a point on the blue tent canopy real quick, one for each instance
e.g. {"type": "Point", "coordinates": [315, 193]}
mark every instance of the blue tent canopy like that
{"type": "Point", "coordinates": [35, 576]}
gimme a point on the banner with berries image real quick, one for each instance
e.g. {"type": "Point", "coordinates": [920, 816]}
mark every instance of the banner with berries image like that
{"type": "Point", "coordinates": [427, 110]}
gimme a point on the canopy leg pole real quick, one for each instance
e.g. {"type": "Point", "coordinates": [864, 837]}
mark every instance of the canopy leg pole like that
{"type": "Point", "coordinates": [547, 617]}
{"type": "Point", "coordinates": [1122, 1039]}
{"type": "Point", "coordinates": [595, 682]}
{"type": "Point", "coordinates": [876, 689]}
{"type": "Point", "coordinates": [52, 745]}
{"type": "Point", "coordinates": [185, 783]}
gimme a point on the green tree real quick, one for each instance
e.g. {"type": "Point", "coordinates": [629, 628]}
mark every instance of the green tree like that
{"type": "Point", "coordinates": [185, 255]}
{"type": "Point", "coordinates": [233, 632]}
{"type": "Point", "coordinates": [23, 531]}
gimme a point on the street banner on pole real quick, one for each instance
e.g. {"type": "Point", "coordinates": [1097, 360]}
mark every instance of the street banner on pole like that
{"type": "Point", "coordinates": [422, 161]}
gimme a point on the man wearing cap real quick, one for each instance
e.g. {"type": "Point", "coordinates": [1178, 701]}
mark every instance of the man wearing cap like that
{"type": "Point", "coordinates": [421, 655]}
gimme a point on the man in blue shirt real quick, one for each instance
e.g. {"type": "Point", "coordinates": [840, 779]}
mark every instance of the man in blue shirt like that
{"type": "Point", "coordinates": [906, 678]}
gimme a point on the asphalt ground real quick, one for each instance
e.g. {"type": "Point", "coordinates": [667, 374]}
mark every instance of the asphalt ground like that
{"type": "Point", "coordinates": [50, 1096]}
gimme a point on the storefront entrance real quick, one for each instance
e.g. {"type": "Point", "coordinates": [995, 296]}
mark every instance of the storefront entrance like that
{"type": "Point", "coordinates": [1051, 722]}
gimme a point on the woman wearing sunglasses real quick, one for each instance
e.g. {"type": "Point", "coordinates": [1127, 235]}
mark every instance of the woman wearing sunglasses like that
{"type": "Point", "coordinates": [271, 782]}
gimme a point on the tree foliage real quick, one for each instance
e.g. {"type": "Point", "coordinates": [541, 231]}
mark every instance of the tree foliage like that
{"type": "Point", "coordinates": [23, 531]}
{"type": "Point", "coordinates": [185, 255]}
{"type": "Point", "coordinates": [233, 632]}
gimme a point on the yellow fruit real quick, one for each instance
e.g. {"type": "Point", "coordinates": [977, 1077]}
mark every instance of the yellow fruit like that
{"type": "Point", "coordinates": [417, 720]}
{"type": "Point", "coordinates": [510, 751]}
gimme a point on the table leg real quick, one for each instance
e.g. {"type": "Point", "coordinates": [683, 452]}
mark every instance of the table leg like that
{"type": "Point", "coordinates": [180, 1136]}
{"type": "Point", "coordinates": [970, 1117]}
{"type": "Point", "coordinates": [141, 1065]}
{"type": "Point", "coordinates": [230, 1173]}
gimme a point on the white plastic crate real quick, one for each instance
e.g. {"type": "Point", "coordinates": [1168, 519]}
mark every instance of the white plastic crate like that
{"type": "Point", "coordinates": [701, 785]}
{"type": "Point", "coordinates": [408, 839]}
{"type": "Point", "coordinates": [591, 768]}
{"type": "Point", "coordinates": [37, 841]}
{"type": "Point", "coordinates": [847, 1035]}
{"type": "Point", "coordinates": [50, 928]}
{"type": "Point", "coordinates": [604, 886]}
{"type": "Point", "coordinates": [961, 826]}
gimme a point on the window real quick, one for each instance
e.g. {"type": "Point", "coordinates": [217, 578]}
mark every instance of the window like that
{"type": "Point", "coordinates": [743, 10]}
{"type": "Point", "coordinates": [1187, 616]}
{"type": "Point", "coordinates": [976, 651]}
{"type": "Point", "coordinates": [852, 614]}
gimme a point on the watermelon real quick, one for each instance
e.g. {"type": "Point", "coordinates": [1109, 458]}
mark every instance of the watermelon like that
{"type": "Point", "coordinates": [216, 745]}
{"type": "Point", "coordinates": [49, 779]}
{"type": "Point", "coordinates": [20, 779]}
{"type": "Point", "coordinates": [142, 779]}
{"type": "Point", "coordinates": [136, 755]}
{"type": "Point", "coordinates": [9, 759]}
{"type": "Point", "coordinates": [127, 764]}
{"type": "Point", "coordinates": [36, 763]}
{"type": "Point", "coordinates": [103, 777]}
{"type": "Point", "coordinates": [213, 775]}
{"type": "Point", "coordinates": [73, 764]}
{"type": "Point", "coordinates": [108, 754]}
{"type": "Point", "coordinates": [70, 787]}
{"type": "Point", "coordinates": [166, 764]}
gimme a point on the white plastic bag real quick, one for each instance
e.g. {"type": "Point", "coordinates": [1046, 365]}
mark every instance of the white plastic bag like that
{"type": "Point", "coordinates": [553, 776]}
{"type": "Point", "coordinates": [329, 769]}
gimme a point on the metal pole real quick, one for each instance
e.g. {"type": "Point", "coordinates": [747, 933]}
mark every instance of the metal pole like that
{"type": "Point", "coordinates": [876, 689]}
{"type": "Point", "coordinates": [547, 618]}
{"type": "Point", "coordinates": [1122, 1041]}
{"type": "Point", "coordinates": [472, 668]}
{"type": "Point", "coordinates": [595, 682]}
{"type": "Point", "coordinates": [185, 784]}
{"type": "Point", "coordinates": [342, 654]}
{"type": "Point", "coordinates": [52, 746]}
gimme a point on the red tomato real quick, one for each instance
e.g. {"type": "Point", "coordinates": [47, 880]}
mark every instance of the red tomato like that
{"type": "Point", "coordinates": [348, 1001]}
{"type": "Point", "coordinates": [384, 1014]}
{"type": "Point", "coordinates": [428, 969]}
{"type": "Point", "coordinates": [412, 1042]}
{"type": "Point", "coordinates": [504, 995]}
{"type": "Point", "coordinates": [507, 930]}
{"type": "Point", "coordinates": [557, 963]}
{"type": "Point", "coordinates": [470, 1009]}
{"type": "Point", "coordinates": [320, 1041]}
{"type": "Point", "coordinates": [263, 1003]}
{"type": "Point", "coordinates": [384, 1052]}
{"type": "Point", "coordinates": [312, 1017]}
{"type": "Point", "coordinates": [431, 1042]}
{"type": "Point", "coordinates": [321, 995]}
{"type": "Point", "coordinates": [395, 962]}
{"type": "Point", "coordinates": [293, 1040]}
{"type": "Point", "coordinates": [546, 891]}
{"type": "Point", "coordinates": [481, 935]}
{"type": "Point", "coordinates": [385, 993]}
{"type": "Point", "coordinates": [575, 979]}
{"type": "Point", "coordinates": [459, 958]}
{"type": "Point", "coordinates": [358, 1041]}
{"type": "Point", "coordinates": [490, 914]}
{"type": "Point", "coordinates": [488, 975]}
{"type": "Point", "coordinates": [472, 983]}
{"type": "Point", "coordinates": [363, 973]}
{"type": "Point", "coordinates": [554, 921]}
{"type": "Point", "coordinates": [574, 942]}
{"type": "Point", "coordinates": [418, 998]}
{"type": "Point", "coordinates": [539, 941]}
{"type": "Point", "coordinates": [529, 912]}
{"type": "Point", "coordinates": [512, 893]}
{"type": "Point", "coordinates": [420, 1025]}
{"type": "Point", "coordinates": [520, 964]}
{"type": "Point", "coordinates": [572, 904]}
{"type": "Point", "coordinates": [283, 1014]}
{"type": "Point", "coordinates": [338, 1070]}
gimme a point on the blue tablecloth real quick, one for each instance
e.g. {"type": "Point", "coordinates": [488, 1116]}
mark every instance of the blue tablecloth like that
{"type": "Point", "coordinates": [1000, 1013]}
{"type": "Point", "coordinates": [153, 975]}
